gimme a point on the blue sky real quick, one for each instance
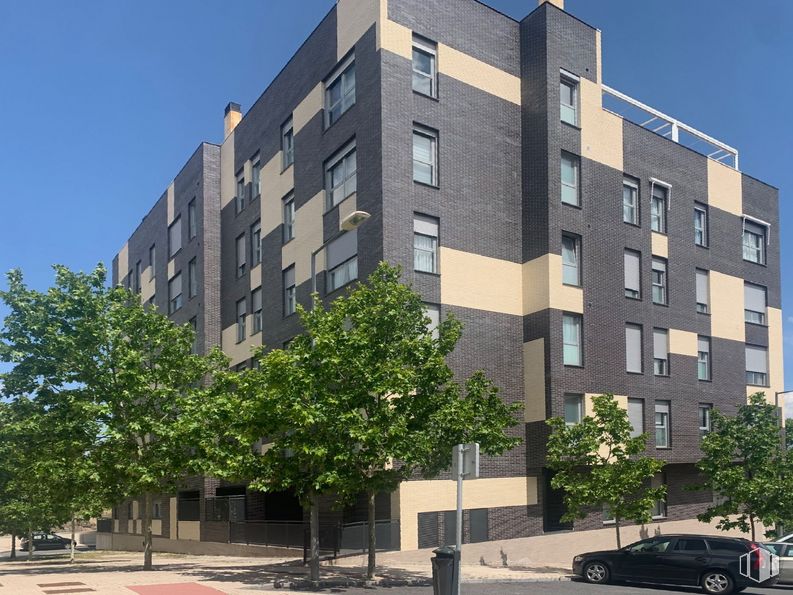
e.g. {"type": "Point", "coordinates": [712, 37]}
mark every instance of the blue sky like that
{"type": "Point", "coordinates": [102, 102]}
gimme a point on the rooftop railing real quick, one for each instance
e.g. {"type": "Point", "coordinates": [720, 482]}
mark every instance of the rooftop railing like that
{"type": "Point", "coordinates": [650, 118]}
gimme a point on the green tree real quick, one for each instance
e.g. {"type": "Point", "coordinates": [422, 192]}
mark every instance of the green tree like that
{"type": "Point", "coordinates": [598, 464]}
{"type": "Point", "coordinates": [744, 464]}
{"type": "Point", "coordinates": [96, 356]}
{"type": "Point", "coordinates": [359, 402]}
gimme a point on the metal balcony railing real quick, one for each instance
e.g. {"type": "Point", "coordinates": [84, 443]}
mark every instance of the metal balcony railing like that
{"type": "Point", "coordinates": [650, 118]}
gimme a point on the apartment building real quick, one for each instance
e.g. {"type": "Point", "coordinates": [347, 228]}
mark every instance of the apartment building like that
{"type": "Point", "coordinates": [587, 241]}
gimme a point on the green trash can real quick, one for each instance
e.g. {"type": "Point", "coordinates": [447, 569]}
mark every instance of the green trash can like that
{"type": "Point", "coordinates": [445, 566]}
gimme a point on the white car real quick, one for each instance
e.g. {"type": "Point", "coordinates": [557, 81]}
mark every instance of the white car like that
{"type": "Point", "coordinates": [785, 553]}
{"type": "Point", "coordinates": [786, 539]}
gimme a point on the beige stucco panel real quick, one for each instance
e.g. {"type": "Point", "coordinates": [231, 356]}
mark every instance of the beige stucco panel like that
{"type": "Point", "coordinates": [190, 530]}
{"type": "Point", "coordinates": [724, 188]}
{"type": "Point", "coordinates": [534, 380]}
{"type": "Point", "coordinates": [116, 525]}
{"type": "Point", "coordinates": [589, 410]}
{"type": "Point", "coordinates": [660, 245]}
{"type": "Point", "coordinates": [227, 182]}
{"type": "Point", "coordinates": [543, 288]}
{"type": "Point", "coordinates": [776, 369]}
{"type": "Point", "coordinates": [726, 307]}
{"type": "Point", "coordinates": [148, 285]}
{"type": "Point", "coordinates": [239, 352]}
{"type": "Point", "coordinates": [476, 73]}
{"type": "Point", "coordinates": [431, 495]}
{"type": "Point", "coordinates": [474, 281]}
{"type": "Point", "coordinates": [396, 39]}
{"type": "Point", "coordinates": [172, 514]}
{"type": "Point", "coordinates": [308, 237]}
{"type": "Point", "coordinates": [276, 184]}
{"type": "Point", "coordinates": [131, 526]}
{"type": "Point", "coordinates": [123, 262]}
{"type": "Point", "coordinates": [682, 342]}
{"type": "Point", "coordinates": [172, 272]}
{"type": "Point", "coordinates": [353, 19]}
{"type": "Point", "coordinates": [307, 108]}
{"type": "Point", "coordinates": [599, 56]}
{"type": "Point", "coordinates": [156, 527]}
{"type": "Point", "coordinates": [256, 278]}
{"type": "Point", "coordinates": [170, 200]}
{"type": "Point", "coordinates": [601, 131]}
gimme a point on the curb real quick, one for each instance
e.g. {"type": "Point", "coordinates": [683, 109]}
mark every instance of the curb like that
{"type": "Point", "coordinates": [306, 585]}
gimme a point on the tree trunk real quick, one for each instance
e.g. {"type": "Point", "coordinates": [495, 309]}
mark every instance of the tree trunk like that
{"type": "Point", "coordinates": [13, 546]}
{"type": "Point", "coordinates": [30, 544]}
{"type": "Point", "coordinates": [147, 506]}
{"type": "Point", "coordinates": [372, 536]}
{"type": "Point", "coordinates": [617, 528]}
{"type": "Point", "coordinates": [71, 545]}
{"type": "Point", "coordinates": [751, 522]}
{"type": "Point", "coordinates": [314, 561]}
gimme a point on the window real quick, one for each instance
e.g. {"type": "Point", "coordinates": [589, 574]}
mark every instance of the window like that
{"type": "Point", "coordinates": [192, 223]}
{"type": "Point", "coordinates": [573, 345]}
{"type": "Point", "coordinates": [194, 326]}
{"type": "Point", "coordinates": [633, 348]}
{"type": "Point", "coordinates": [242, 314]}
{"type": "Point", "coordinates": [630, 201]}
{"type": "Point", "coordinates": [754, 298]}
{"type": "Point", "coordinates": [662, 424]}
{"type": "Point", "coordinates": [156, 512]}
{"type": "Point", "coordinates": [175, 237]}
{"type": "Point", "coordinates": [340, 176]}
{"type": "Point", "coordinates": [152, 261]}
{"type": "Point", "coordinates": [690, 545]}
{"type": "Point", "coordinates": [130, 280]}
{"type": "Point", "coordinates": [290, 301]}
{"type": "Point", "coordinates": [661, 352]}
{"type": "Point", "coordinates": [573, 409]}
{"type": "Point", "coordinates": [239, 199]}
{"type": "Point", "coordinates": [340, 91]}
{"type": "Point", "coordinates": [636, 416]}
{"type": "Point", "coordinates": [289, 218]}
{"type": "Point", "coordinates": [701, 225]}
{"type": "Point", "coordinates": [425, 244]}
{"type": "Point", "coordinates": [756, 365]}
{"type": "Point", "coordinates": [287, 143]}
{"type": "Point", "coordinates": [240, 254]}
{"type": "Point", "coordinates": [192, 279]}
{"type": "Point", "coordinates": [137, 276]}
{"type": "Point", "coordinates": [570, 193]}
{"type": "Point", "coordinates": [658, 208]}
{"type": "Point", "coordinates": [175, 293]}
{"type": "Point", "coordinates": [433, 312]}
{"type": "Point", "coordinates": [659, 506]}
{"type": "Point", "coordinates": [571, 259]}
{"type": "Point", "coordinates": [703, 358]}
{"type": "Point", "coordinates": [703, 291]}
{"type": "Point", "coordinates": [425, 156]}
{"type": "Point", "coordinates": [704, 418]}
{"type": "Point", "coordinates": [754, 239]}
{"type": "Point", "coordinates": [342, 260]}
{"type": "Point", "coordinates": [659, 281]}
{"type": "Point", "coordinates": [256, 178]}
{"type": "Point", "coordinates": [256, 243]}
{"type": "Point", "coordinates": [633, 274]}
{"type": "Point", "coordinates": [425, 76]}
{"type": "Point", "coordinates": [568, 100]}
{"type": "Point", "coordinates": [256, 309]}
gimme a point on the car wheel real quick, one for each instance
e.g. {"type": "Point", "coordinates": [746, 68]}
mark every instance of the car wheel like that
{"type": "Point", "coordinates": [717, 582]}
{"type": "Point", "coordinates": [596, 573]}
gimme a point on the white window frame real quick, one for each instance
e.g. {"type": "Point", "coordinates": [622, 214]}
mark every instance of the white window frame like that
{"type": "Point", "coordinates": [343, 274]}
{"type": "Point", "coordinates": [756, 377]}
{"type": "Point", "coordinates": [256, 310]}
{"type": "Point", "coordinates": [701, 215]}
{"type": "Point", "coordinates": [430, 49]}
{"type": "Point", "coordinates": [707, 408]}
{"type": "Point", "coordinates": [576, 187]}
{"type": "Point", "coordinates": [192, 221]}
{"type": "Point", "coordinates": [762, 246]}
{"type": "Point", "coordinates": [192, 278]}
{"type": "Point", "coordinates": [640, 329]}
{"type": "Point", "coordinates": [578, 345]}
{"type": "Point", "coordinates": [432, 136]}
{"type": "Point", "coordinates": [633, 186]}
{"type": "Point", "coordinates": [662, 215]}
{"type": "Point", "coordinates": [256, 177]}
{"type": "Point", "coordinates": [661, 364]}
{"type": "Point", "coordinates": [175, 237]}
{"type": "Point", "coordinates": [663, 285]}
{"type": "Point", "coordinates": [349, 184]}
{"type": "Point", "coordinates": [241, 319]}
{"type": "Point", "coordinates": [422, 227]}
{"type": "Point", "coordinates": [340, 76]}
{"type": "Point", "coordinates": [664, 425]}
{"type": "Point", "coordinates": [288, 213]}
{"type": "Point", "coordinates": [290, 292]}
{"type": "Point", "coordinates": [700, 309]}
{"type": "Point", "coordinates": [704, 359]}
{"type": "Point", "coordinates": [256, 243]}
{"type": "Point", "coordinates": [570, 80]}
{"type": "Point", "coordinates": [287, 143]}
{"type": "Point", "coordinates": [239, 197]}
{"type": "Point", "coordinates": [576, 266]}
{"type": "Point", "coordinates": [759, 318]}
{"type": "Point", "coordinates": [240, 252]}
{"type": "Point", "coordinates": [577, 400]}
{"type": "Point", "coordinates": [174, 299]}
{"type": "Point", "coordinates": [152, 261]}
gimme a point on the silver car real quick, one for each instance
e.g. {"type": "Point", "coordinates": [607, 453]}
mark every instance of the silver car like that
{"type": "Point", "coordinates": [785, 552]}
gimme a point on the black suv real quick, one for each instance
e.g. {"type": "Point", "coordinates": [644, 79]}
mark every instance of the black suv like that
{"type": "Point", "coordinates": [710, 562]}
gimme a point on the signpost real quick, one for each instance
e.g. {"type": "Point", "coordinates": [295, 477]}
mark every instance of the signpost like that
{"type": "Point", "coordinates": [465, 465]}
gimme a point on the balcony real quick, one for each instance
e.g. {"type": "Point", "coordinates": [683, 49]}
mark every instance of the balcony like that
{"type": "Point", "coordinates": [650, 118]}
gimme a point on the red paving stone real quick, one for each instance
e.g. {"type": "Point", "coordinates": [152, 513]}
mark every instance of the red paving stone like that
{"type": "Point", "coordinates": [175, 589]}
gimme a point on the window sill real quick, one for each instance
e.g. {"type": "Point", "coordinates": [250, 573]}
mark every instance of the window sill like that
{"type": "Point", "coordinates": [704, 379]}
{"type": "Point", "coordinates": [284, 243]}
{"type": "Point", "coordinates": [326, 125]}
{"type": "Point", "coordinates": [431, 274]}
{"type": "Point", "coordinates": [663, 448]}
{"type": "Point", "coordinates": [661, 375]}
{"type": "Point", "coordinates": [634, 373]}
{"type": "Point", "coordinates": [661, 304]}
{"type": "Point", "coordinates": [635, 299]}
{"type": "Point", "coordinates": [703, 313]}
{"type": "Point", "coordinates": [663, 233]}
{"type": "Point", "coordinates": [659, 518]}
{"type": "Point", "coordinates": [762, 264]}
{"type": "Point", "coordinates": [240, 341]}
{"type": "Point", "coordinates": [706, 247]}
{"type": "Point", "coordinates": [420, 94]}
{"type": "Point", "coordinates": [759, 385]}
{"type": "Point", "coordinates": [569, 125]}
{"type": "Point", "coordinates": [426, 185]}
{"type": "Point", "coordinates": [760, 324]}
{"type": "Point", "coordinates": [284, 168]}
{"type": "Point", "coordinates": [330, 208]}
{"type": "Point", "coordinates": [340, 287]}
{"type": "Point", "coordinates": [254, 333]}
{"type": "Point", "coordinates": [573, 206]}
{"type": "Point", "coordinates": [576, 366]}
{"type": "Point", "coordinates": [577, 286]}
{"type": "Point", "coordinates": [632, 224]}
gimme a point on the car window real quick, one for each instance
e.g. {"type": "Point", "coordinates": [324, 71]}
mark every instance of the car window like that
{"type": "Point", "coordinates": [777, 548]}
{"type": "Point", "coordinates": [724, 546]}
{"type": "Point", "coordinates": [690, 545]}
{"type": "Point", "coordinates": [51, 537]}
{"type": "Point", "coordinates": [38, 537]}
{"type": "Point", "coordinates": [655, 545]}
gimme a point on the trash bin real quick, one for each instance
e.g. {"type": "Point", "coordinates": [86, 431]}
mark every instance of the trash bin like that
{"type": "Point", "coordinates": [444, 571]}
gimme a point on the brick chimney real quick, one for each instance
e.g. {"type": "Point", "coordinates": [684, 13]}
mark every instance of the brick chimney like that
{"type": "Point", "coordinates": [231, 118]}
{"type": "Point", "coordinates": [557, 3]}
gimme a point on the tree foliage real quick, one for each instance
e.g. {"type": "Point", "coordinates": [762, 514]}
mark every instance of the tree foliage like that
{"type": "Point", "coordinates": [744, 465]}
{"type": "Point", "coordinates": [598, 465]}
